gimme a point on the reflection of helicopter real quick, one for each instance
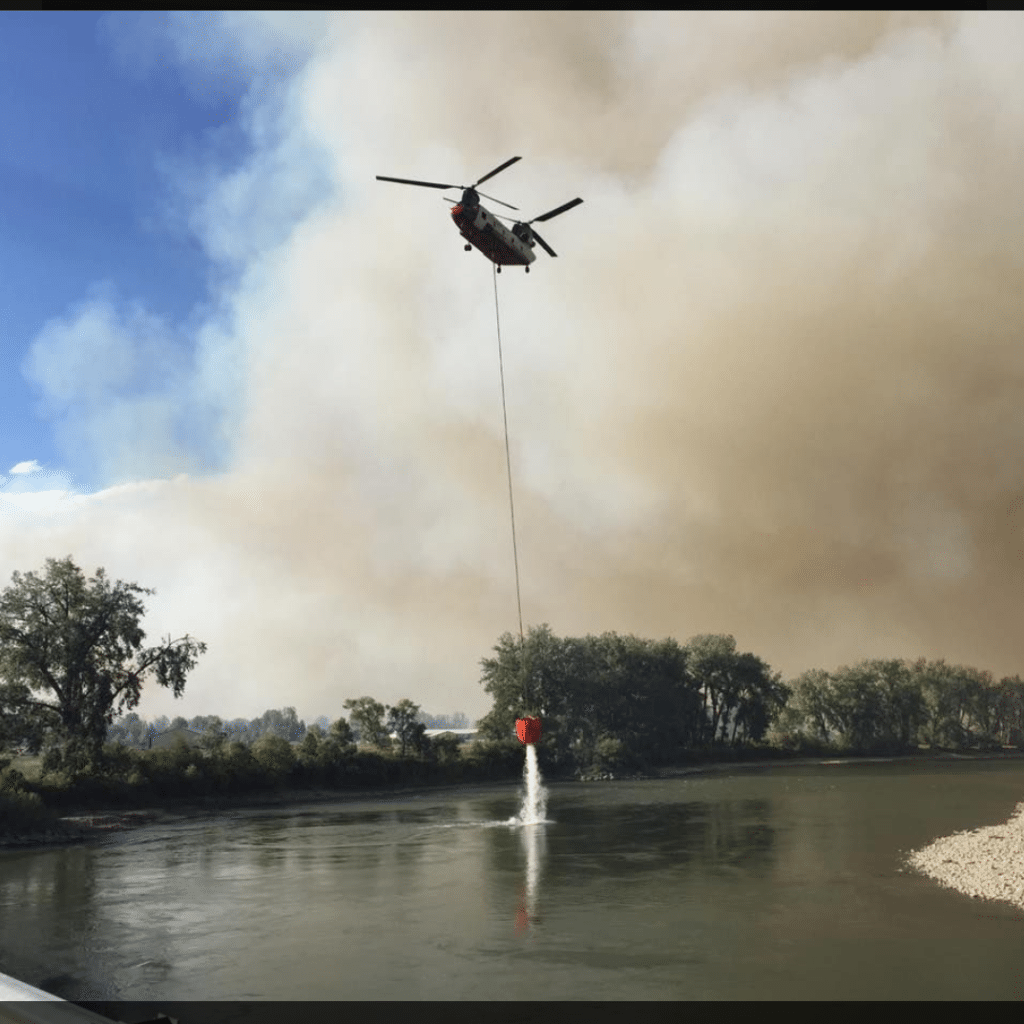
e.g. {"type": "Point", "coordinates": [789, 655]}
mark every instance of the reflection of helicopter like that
{"type": "Point", "coordinates": [483, 229]}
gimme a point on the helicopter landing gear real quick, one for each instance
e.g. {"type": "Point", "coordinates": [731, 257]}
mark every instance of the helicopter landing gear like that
{"type": "Point", "coordinates": [467, 247]}
{"type": "Point", "coordinates": [499, 268]}
{"type": "Point", "coordinates": [527, 269]}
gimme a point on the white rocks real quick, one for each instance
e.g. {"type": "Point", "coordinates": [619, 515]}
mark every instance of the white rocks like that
{"type": "Point", "coordinates": [986, 863]}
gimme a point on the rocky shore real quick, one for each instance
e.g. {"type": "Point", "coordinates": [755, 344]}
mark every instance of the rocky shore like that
{"type": "Point", "coordinates": [986, 863]}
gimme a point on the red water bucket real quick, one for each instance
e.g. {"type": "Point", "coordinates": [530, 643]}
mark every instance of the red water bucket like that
{"type": "Point", "coordinates": [528, 730]}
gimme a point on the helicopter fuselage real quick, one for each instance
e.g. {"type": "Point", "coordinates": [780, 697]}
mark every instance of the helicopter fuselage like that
{"type": "Point", "coordinates": [485, 232]}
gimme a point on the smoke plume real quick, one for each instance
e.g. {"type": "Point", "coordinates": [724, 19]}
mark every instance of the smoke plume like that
{"type": "Point", "coordinates": [772, 386]}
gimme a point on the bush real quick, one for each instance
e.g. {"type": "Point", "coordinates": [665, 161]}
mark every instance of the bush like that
{"type": "Point", "coordinates": [494, 759]}
{"type": "Point", "coordinates": [610, 755]}
{"type": "Point", "coordinates": [366, 768]}
{"type": "Point", "coordinates": [275, 757]}
{"type": "Point", "coordinates": [20, 810]}
{"type": "Point", "coordinates": [233, 769]}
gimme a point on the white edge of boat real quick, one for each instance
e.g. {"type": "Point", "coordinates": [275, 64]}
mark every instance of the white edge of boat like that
{"type": "Point", "coordinates": [24, 1004]}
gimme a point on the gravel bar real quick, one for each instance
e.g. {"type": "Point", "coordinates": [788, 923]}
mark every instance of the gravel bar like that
{"type": "Point", "coordinates": [986, 863]}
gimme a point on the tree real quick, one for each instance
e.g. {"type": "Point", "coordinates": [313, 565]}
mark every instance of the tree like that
{"type": "Point", "coordinates": [284, 723]}
{"type": "Point", "coordinates": [129, 730]}
{"type": "Point", "coordinates": [402, 721]}
{"type": "Point", "coordinates": [341, 732]}
{"type": "Point", "coordinates": [446, 747]}
{"type": "Point", "coordinates": [275, 756]}
{"type": "Point", "coordinates": [711, 660]}
{"type": "Point", "coordinates": [807, 712]}
{"type": "Point", "coordinates": [367, 715]}
{"type": "Point", "coordinates": [310, 745]}
{"type": "Point", "coordinates": [81, 641]}
{"type": "Point", "coordinates": [762, 696]}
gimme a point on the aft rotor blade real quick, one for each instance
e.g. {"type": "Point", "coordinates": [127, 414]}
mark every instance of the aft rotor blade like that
{"type": "Point", "coordinates": [491, 174]}
{"type": "Point", "coordinates": [409, 181]}
{"type": "Point", "coordinates": [547, 248]}
{"type": "Point", "coordinates": [493, 200]}
{"type": "Point", "coordinates": [560, 209]}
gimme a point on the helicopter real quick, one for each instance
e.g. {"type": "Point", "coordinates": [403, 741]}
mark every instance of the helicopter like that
{"type": "Point", "coordinates": [480, 228]}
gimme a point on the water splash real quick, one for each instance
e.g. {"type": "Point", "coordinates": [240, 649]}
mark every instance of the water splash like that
{"type": "Point", "coordinates": [535, 799]}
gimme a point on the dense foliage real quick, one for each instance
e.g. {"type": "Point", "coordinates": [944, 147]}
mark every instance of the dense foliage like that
{"type": "Point", "coordinates": [895, 705]}
{"type": "Point", "coordinates": [620, 701]}
{"type": "Point", "coordinates": [609, 703]}
{"type": "Point", "coordinates": [71, 658]}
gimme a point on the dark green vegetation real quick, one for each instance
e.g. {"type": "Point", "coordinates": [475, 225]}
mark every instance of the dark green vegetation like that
{"type": "Point", "coordinates": [79, 644]}
{"type": "Point", "coordinates": [620, 702]}
{"type": "Point", "coordinates": [71, 661]}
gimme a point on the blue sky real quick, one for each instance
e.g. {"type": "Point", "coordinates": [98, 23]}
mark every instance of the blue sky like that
{"type": "Point", "coordinates": [84, 198]}
{"type": "Point", "coordinates": [771, 386]}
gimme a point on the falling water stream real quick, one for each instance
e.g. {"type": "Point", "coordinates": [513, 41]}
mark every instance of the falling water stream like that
{"type": "Point", "coordinates": [535, 799]}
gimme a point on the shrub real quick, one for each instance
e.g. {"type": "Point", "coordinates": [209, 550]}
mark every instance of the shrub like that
{"type": "Point", "coordinates": [275, 757]}
{"type": "Point", "coordinates": [20, 810]}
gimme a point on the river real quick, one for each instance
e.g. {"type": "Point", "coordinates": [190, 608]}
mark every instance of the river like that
{"type": "Point", "coordinates": [771, 883]}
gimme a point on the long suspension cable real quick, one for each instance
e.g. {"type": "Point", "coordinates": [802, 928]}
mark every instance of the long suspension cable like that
{"type": "Point", "coordinates": [508, 457]}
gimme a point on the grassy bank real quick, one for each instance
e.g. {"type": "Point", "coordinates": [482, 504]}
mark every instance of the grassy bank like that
{"type": "Point", "coordinates": [51, 811]}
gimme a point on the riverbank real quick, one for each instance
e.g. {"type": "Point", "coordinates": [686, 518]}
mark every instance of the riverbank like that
{"type": "Point", "coordinates": [84, 827]}
{"type": "Point", "coordinates": [985, 863]}
{"type": "Point", "coordinates": [91, 825]}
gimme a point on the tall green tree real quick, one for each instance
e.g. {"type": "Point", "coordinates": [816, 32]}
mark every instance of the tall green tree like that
{"type": "Point", "coordinates": [808, 709]}
{"type": "Point", "coordinates": [341, 732]}
{"type": "Point", "coordinates": [761, 699]}
{"type": "Point", "coordinates": [713, 662]}
{"type": "Point", "coordinates": [72, 657]}
{"type": "Point", "coordinates": [402, 721]}
{"type": "Point", "coordinates": [367, 716]}
{"type": "Point", "coordinates": [282, 722]}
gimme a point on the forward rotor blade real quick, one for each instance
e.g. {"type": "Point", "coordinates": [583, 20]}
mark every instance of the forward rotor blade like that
{"type": "Point", "coordinates": [507, 163]}
{"type": "Point", "coordinates": [493, 200]}
{"type": "Point", "coordinates": [409, 181]}
{"type": "Point", "coordinates": [547, 248]}
{"type": "Point", "coordinates": [559, 209]}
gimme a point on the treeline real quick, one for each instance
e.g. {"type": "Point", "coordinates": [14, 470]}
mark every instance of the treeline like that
{"type": "Point", "coordinates": [899, 705]}
{"type": "Point", "coordinates": [614, 702]}
{"type": "Point", "coordinates": [618, 703]}
{"type": "Point", "coordinates": [134, 731]}
{"type": "Point", "coordinates": [455, 721]}
{"type": "Point", "coordinates": [129, 775]}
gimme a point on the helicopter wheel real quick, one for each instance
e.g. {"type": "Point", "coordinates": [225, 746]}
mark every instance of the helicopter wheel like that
{"type": "Point", "coordinates": [527, 269]}
{"type": "Point", "coordinates": [467, 247]}
{"type": "Point", "coordinates": [499, 268]}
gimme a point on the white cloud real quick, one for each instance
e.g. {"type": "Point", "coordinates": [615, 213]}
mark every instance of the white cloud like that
{"type": "Point", "coordinates": [26, 467]}
{"type": "Point", "coordinates": [131, 394]}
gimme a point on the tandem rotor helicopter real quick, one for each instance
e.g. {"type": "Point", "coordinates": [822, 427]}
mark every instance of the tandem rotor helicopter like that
{"type": "Point", "coordinates": [480, 228]}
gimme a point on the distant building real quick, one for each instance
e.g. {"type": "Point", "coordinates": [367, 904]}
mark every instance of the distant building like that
{"type": "Point", "coordinates": [462, 735]}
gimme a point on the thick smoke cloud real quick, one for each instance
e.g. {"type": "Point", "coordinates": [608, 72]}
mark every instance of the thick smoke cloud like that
{"type": "Point", "coordinates": [770, 387]}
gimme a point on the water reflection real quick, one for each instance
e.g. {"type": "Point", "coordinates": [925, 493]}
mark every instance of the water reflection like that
{"type": "Point", "coordinates": [534, 845]}
{"type": "Point", "coordinates": [754, 886]}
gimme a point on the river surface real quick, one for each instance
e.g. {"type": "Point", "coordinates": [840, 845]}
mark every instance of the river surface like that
{"type": "Point", "coordinates": [774, 883]}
